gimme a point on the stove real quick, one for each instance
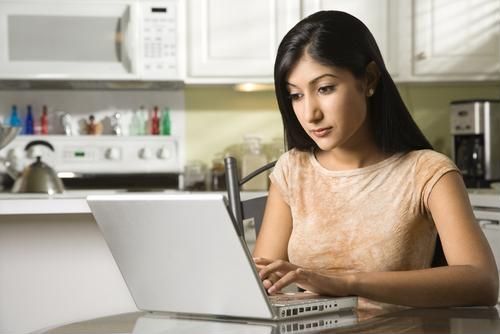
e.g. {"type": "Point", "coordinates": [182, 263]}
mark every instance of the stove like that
{"type": "Point", "coordinates": [135, 163]}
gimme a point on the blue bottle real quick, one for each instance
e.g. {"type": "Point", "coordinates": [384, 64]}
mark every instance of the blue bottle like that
{"type": "Point", "coordinates": [29, 128]}
{"type": "Point", "coordinates": [14, 119]}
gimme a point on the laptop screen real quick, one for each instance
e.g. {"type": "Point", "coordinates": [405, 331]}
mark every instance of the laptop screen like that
{"type": "Point", "coordinates": [181, 253]}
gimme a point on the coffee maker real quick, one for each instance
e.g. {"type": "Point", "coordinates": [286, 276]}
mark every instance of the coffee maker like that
{"type": "Point", "coordinates": [475, 129]}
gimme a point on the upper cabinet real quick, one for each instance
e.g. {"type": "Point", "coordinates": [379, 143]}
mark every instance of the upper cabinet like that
{"type": "Point", "coordinates": [234, 41]}
{"type": "Point", "coordinates": [456, 39]}
{"type": "Point", "coordinates": [380, 16]}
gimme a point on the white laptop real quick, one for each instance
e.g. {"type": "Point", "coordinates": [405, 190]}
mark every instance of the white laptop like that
{"type": "Point", "coordinates": [181, 253]}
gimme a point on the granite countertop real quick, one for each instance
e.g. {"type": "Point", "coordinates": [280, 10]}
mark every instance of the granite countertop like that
{"type": "Point", "coordinates": [473, 320]}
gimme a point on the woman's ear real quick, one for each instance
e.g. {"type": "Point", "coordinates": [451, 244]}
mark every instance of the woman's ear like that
{"type": "Point", "coordinates": [371, 78]}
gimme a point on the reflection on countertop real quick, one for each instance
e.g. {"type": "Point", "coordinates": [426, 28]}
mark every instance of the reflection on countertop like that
{"type": "Point", "coordinates": [398, 320]}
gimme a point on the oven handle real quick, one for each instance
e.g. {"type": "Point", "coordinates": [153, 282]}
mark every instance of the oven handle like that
{"type": "Point", "coordinates": [490, 224]}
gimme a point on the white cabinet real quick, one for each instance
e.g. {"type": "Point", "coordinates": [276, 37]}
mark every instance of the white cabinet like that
{"type": "Point", "coordinates": [456, 39]}
{"type": "Point", "coordinates": [233, 41]}
{"type": "Point", "coordinates": [380, 16]}
{"type": "Point", "coordinates": [236, 40]}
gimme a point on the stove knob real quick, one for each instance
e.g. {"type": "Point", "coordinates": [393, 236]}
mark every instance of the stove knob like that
{"type": "Point", "coordinates": [145, 153]}
{"type": "Point", "coordinates": [164, 153]}
{"type": "Point", "coordinates": [112, 153]}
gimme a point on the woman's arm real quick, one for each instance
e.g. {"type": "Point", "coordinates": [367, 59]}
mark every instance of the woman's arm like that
{"type": "Point", "coordinates": [272, 241]}
{"type": "Point", "coordinates": [471, 277]}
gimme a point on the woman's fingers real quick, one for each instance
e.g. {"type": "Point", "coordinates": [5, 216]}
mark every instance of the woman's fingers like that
{"type": "Point", "coordinates": [271, 272]}
{"type": "Point", "coordinates": [261, 263]}
{"type": "Point", "coordinates": [278, 267]}
{"type": "Point", "coordinates": [294, 276]}
{"type": "Point", "coordinates": [270, 280]}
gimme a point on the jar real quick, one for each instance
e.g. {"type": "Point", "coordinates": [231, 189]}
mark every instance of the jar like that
{"type": "Point", "coordinates": [195, 176]}
{"type": "Point", "coordinates": [218, 173]}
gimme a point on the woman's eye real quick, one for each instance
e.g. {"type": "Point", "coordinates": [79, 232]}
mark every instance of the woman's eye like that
{"type": "Point", "coordinates": [326, 89]}
{"type": "Point", "coordinates": [295, 96]}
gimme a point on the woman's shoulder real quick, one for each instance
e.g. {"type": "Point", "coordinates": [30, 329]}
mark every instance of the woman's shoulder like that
{"type": "Point", "coordinates": [428, 157]}
{"type": "Point", "coordinates": [429, 165]}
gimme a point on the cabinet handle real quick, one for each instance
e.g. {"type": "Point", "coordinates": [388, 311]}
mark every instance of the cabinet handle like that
{"type": "Point", "coordinates": [421, 56]}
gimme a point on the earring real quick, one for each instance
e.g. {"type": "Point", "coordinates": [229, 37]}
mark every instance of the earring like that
{"type": "Point", "coordinates": [371, 91]}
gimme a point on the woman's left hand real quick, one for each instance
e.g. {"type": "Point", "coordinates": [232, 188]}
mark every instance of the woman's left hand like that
{"type": "Point", "coordinates": [282, 273]}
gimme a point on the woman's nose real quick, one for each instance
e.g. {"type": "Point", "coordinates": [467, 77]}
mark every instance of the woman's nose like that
{"type": "Point", "coordinates": [312, 111]}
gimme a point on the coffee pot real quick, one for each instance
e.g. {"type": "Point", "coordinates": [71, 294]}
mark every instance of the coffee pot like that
{"type": "Point", "coordinates": [37, 177]}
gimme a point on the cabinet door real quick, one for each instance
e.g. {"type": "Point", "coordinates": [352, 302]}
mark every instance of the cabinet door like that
{"type": "Point", "coordinates": [237, 38]}
{"type": "Point", "coordinates": [379, 16]}
{"type": "Point", "coordinates": [456, 37]}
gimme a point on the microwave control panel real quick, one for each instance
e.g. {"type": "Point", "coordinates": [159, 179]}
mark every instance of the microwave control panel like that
{"type": "Point", "coordinates": [159, 38]}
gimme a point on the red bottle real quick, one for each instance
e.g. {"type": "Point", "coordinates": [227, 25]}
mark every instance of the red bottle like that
{"type": "Point", "coordinates": [155, 122]}
{"type": "Point", "coordinates": [44, 122]}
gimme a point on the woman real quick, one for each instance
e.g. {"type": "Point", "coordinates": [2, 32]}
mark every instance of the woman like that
{"type": "Point", "coordinates": [357, 203]}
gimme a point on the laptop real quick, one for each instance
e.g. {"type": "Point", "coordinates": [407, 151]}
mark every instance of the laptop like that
{"type": "Point", "coordinates": [181, 253]}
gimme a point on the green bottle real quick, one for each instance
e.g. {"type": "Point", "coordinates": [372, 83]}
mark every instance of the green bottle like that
{"type": "Point", "coordinates": [165, 122]}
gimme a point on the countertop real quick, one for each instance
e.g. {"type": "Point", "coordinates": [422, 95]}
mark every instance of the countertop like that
{"type": "Point", "coordinates": [483, 320]}
{"type": "Point", "coordinates": [74, 202]}
{"type": "Point", "coordinates": [70, 202]}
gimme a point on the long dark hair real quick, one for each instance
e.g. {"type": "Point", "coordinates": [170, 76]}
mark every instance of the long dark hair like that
{"type": "Point", "coordinates": [335, 38]}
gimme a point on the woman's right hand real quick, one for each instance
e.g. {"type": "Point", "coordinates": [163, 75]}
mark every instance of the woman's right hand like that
{"type": "Point", "coordinates": [268, 281]}
{"type": "Point", "coordinates": [280, 273]}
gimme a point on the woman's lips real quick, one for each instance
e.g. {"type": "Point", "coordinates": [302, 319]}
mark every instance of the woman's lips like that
{"type": "Point", "coordinates": [322, 132]}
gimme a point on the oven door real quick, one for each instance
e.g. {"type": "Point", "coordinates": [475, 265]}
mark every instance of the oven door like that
{"type": "Point", "coordinates": [67, 40]}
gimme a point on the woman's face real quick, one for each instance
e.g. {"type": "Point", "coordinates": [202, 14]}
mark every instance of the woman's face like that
{"type": "Point", "coordinates": [330, 104]}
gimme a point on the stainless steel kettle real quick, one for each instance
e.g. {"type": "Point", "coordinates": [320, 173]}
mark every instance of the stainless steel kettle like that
{"type": "Point", "coordinates": [38, 177]}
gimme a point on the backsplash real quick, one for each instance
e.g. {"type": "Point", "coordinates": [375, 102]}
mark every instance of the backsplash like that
{"type": "Point", "coordinates": [102, 105]}
{"type": "Point", "coordinates": [219, 116]}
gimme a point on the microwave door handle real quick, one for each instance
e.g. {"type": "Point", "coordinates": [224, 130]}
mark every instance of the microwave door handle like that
{"type": "Point", "coordinates": [127, 40]}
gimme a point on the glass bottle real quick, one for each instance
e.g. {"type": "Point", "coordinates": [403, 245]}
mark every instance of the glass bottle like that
{"type": "Point", "coordinates": [143, 114]}
{"type": "Point", "coordinates": [155, 122]}
{"type": "Point", "coordinates": [165, 122]}
{"type": "Point", "coordinates": [44, 121]}
{"type": "Point", "coordinates": [29, 128]}
{"type": "Point", "coordinates": [252, 159]}
{"type": "Point", "coordinates": [14, 119]}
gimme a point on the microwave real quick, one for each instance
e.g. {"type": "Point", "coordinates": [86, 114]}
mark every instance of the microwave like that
{"type": "Point", "coordinates": [90, 40]}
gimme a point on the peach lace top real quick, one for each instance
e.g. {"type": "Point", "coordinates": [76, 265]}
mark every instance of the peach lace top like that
{"type": "Point", "coordinates": [374, 218]}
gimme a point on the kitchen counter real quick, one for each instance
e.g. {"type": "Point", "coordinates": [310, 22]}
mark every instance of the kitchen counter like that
{"type": "Point", "coordinates": [70, 202]}
{"type": "Point", "coordinates": [399, 320]}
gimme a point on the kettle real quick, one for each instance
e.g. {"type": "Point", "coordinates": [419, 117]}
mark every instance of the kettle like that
{"type": "Point", "coordinates": [37, 177]}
